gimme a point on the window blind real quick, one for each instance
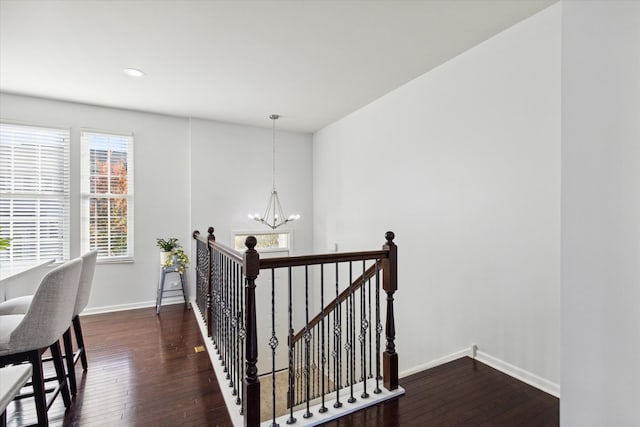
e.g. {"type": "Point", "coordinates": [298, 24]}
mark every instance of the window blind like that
{"type": "Point", "coordinates": [107, 189]}
{"type": "Point", "coordinates": [34, 192]}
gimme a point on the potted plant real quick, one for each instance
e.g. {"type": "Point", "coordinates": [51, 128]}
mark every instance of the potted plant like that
{"type": "Point", "coordinates": [4, 243]}
{"type": "Point", "coordinates": [177, 259]}
{"type": "Point", "coordinates": [166, 246]}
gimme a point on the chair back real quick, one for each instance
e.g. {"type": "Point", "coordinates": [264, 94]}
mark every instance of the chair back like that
{"type": "Point", "coordinates": [86, 279]}
{"type": "Point", "coordinates": [50, 312]}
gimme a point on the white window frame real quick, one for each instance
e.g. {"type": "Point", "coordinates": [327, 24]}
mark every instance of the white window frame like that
{"type": "Point", "coordinates": [40, 136]}
{"type": "Point", "coordinates": [85, 245]}
{"type": "Point", "coordinates": [285, 250]}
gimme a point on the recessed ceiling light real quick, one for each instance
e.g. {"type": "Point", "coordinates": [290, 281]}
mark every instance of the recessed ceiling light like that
{"type": "Point", "coordinates": [133, 72]}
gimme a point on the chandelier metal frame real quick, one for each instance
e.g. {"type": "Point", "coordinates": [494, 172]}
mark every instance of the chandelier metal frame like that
{"type": "Point", "coordinates": [274, 216]}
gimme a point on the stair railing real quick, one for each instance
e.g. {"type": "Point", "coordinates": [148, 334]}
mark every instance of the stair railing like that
{"type": "Point", "coordinates": [331, 351]}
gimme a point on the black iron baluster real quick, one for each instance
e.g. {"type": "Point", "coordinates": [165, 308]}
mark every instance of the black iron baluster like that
{"type": "Point", "coordinates": [351, 334]}
{"type": "Point", "coordinates": [315, 366]}
{"type": "Point", "coordinates": [227, 329]}
{"type": "Point", "coordinates": [364, 324]}
{"type": "Point", "coordinates": [299, 374]}
{"type": "Point", "coordinates": [238, 315]}
{"type": "Point", "coordinates": [273, 343]}
{"type": "Point", "coordinates": [223, 298]}
{"type": "Point", "coordinates": [214, 300]}
{"type": "Point", "coordinates": [217, 307]}
{"type": "Point", "coordinates": [370, 327]}
{"type": "Point", "coordinates": [307, 341]}
{"type": "Point", "coordinates": [322, 357]}
{"type": "Point", "coordinates": [378, 331]}
{"type": "Point", "coordinates": [243, 334]}
{"type": "Point", "coordinates": [232, 315]}
{"type": "Point", "coordinates": [337, 348]}
{"type": "Point", "coordinates": [291, 419]}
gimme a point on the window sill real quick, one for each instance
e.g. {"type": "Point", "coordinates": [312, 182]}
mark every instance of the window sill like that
{"type": "Point", "coordinates": [125, 260]}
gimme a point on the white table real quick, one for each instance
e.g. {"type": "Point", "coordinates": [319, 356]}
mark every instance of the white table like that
{"type": "Point", "coordinates": [12, 379]}
{"type": "Point", "coordinates": [10, 272]}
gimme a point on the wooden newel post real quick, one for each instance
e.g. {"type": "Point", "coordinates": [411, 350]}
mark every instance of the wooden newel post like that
{"type": "Point", "coordinates": [251, 386]}
{"type": "Point", "coordinates": [390, 285]}
{"type": "Point", "coordinates": [208, 317]}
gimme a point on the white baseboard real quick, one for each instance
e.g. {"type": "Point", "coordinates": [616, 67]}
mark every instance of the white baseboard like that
{"type": "Point", "coordinates": [229, 400]}
{"type": "Point", "coordinates": [502, 366]}
{"type": "Point", "coordinates": [132, 306]}
{"type": "Point", "coordinates": [440, 361]}
{"type": "Point", "coordinates": [519, 373]}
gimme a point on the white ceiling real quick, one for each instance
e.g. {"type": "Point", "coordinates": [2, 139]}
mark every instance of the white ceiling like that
{"type": "Point", "coordinates": [313, 62]}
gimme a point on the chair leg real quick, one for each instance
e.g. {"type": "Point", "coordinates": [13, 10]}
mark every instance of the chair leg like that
{"type": "Point", "coordinates": [160, 291]}
{"type": "Point", "coordinates": [80, 340]}
{"type": "Point", "coordinates": [56, 354]}
{"type": "Point", "coordinates": [184, 291]}
{"type": "Point", "coordinates": [38, 388]}
{"type": "Point", "coordinates": [68, 355]}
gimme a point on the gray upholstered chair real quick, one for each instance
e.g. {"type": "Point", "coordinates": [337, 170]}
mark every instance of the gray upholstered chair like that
{"type": "Point", "coordinates": [20, 305]}
{"type": "Point", "coordinates": [82, 299]}
{"type": "Point", "coordinates": [25, 337]}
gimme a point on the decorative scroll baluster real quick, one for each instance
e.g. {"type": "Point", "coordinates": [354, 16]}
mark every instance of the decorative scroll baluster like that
{"type": "Point", "coordinates": [364, 324]}
{"type": "Point", "coordinates": [322, 357]}
{"type": "Point", "coordinates": [337, 347]}
{"type": "Point", "coordinates": [233, 322]}
{"type": "Point", "coordinates": [218, 304]}
{"type": "Point", "coordinates": [291, 419]}
{"type": "Point", "coordinates": [370, 328]}
{"type": "Point", "coordinates": [378, 332]}
{"type": "Point", "coordinates": [251, 386]}
{"type": "Point", "coordinates": [226, 316]}
{"type": "Point", "coordinates": [238, 316]}
{"type": "Point", "coordinates": [351, 334]}
{"type": "Point", "coordinates": [390, 285]}
{"type": "Point", "coordinates": [243, 334]}
{"type": "Point", "coordinates": [273, 343]}
{"type": "Point", "coordinates": [307, 341]}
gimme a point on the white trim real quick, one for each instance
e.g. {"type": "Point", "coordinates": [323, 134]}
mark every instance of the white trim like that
{"type": "Point", "coordinates": [345, 409]}
{"type": "Point", "coordinates": [437, 362]}
{"type": "Point", "coordinates": [502, 366]}
{"type": "Point", "coordinates": [132, 306]}
{"type": "Point", "coordinates": [519, 373]}
{"type": "Point", "coordinates": [229, 400]}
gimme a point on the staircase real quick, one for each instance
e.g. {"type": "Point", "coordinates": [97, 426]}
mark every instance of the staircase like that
{"type": "Point", "coordinates": [320, 338]}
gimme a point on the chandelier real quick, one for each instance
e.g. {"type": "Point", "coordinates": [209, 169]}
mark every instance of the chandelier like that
{"type": "Point", "coordinates": [274, 216]}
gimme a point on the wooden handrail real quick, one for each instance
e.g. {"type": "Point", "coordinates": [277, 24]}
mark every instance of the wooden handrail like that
{"type": "Point", "coordinates": [357, 284]}
{"type": "Point", "coordinates": [297, 261]}
{"type": "Point", "coordinates": [231, 253]}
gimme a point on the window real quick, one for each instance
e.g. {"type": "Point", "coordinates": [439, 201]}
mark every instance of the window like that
{"type": "Point", "coordinates": [107, 195]}
{"type": "Point", "coordinates": [34, 192]}
{"type": "Point", "coordinates": [267, 242]}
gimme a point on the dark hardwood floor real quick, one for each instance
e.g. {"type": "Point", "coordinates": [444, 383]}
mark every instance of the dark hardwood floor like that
{"type": "Point", "coordinates": [144, 371]}
{"type": "Point", "coordinates": [461, 393]}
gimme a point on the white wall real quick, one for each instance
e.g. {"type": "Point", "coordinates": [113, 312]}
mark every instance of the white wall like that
{"type": "Point", "coordinates": [231, 176]}
{"type": "Point", "coordinates": [188, 174]}
{"type": "Point", "coordinates": [160, 186]}
{"type": "Point", "coordinates": [463, 164]}
{"type": "Point", "coordinates": [600, 213]}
